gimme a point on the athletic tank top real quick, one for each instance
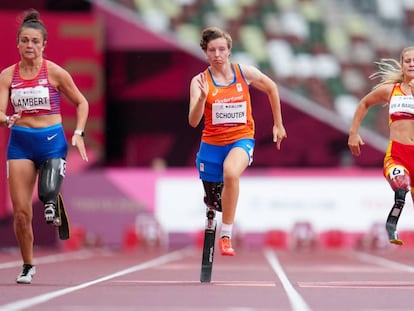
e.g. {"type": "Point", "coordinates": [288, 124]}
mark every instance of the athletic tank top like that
{"type": "Point", "coordinates": [34, 97]}
{"type": "Point", "coordinates": [228, 112]}
{"type": "Point", "coordinates": [401, 105]}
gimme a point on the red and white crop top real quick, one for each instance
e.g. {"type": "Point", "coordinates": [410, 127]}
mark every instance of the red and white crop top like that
{"type": "Point", "coordinates": [34, 97]}
{"type": "Point", "coordinates": [401, 105]}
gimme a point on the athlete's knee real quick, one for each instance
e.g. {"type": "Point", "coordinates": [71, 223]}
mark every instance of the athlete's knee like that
{"type": "Point", "coordinates": [51, 175]}
{"type": "Point", "coordinates": [22, 218]}
{"type": "Point", "coordinates": [400, 182]}
{"type": "Point", "coordinates": [233, 172]}
{"type": "Point", "coordinates": [212, 196]}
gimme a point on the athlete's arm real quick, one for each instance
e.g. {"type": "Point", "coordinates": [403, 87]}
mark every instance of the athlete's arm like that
{"type": "Point", "coordinates": [198, 96]}
{"type": "Point", "coordinates": [375, 97]}
{"type": "Point", "coordinates": [5, 80]}
{"type": "Point", "coordinates": [63, 81]}
{"type": "Point", "coordinates": [262, 82]}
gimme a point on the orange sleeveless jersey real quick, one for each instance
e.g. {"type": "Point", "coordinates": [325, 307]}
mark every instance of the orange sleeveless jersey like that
{"type": "Point", "coordinates": [228, 112]}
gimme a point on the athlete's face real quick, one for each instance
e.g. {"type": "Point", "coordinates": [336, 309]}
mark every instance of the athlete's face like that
{"type": "Point", "coordinates": [30, 43]}
{"type": "Point", "coordinates": [217, 51]}
{"type": "Point", "coordinates": [408, 63]}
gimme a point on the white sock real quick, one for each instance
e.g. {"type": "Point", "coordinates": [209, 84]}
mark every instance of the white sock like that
{"type": "Point", "coordinates": [226, 230]}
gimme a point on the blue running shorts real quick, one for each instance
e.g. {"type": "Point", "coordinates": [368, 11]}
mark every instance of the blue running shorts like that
{"type": "Point", "coordinates": [210, 158]}
{"type": "Point", "coordinates": [37, 144]}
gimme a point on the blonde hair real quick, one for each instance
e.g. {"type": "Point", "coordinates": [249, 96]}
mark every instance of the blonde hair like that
{"type": "Point", "coordinates": [390, 70]}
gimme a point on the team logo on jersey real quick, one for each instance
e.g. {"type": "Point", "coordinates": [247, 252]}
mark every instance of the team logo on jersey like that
{"type": "Point", "coordinates": [239, 87]}
{"type": "Point", "coordinates": [215, 92]}
{"type": "Point", "coordinates": [16, 84]}
{"type": "Point", "coordinates": [42, 81]}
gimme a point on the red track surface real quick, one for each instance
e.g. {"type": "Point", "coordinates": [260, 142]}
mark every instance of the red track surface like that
{"type": "Point", "coordinates": [255, 279]}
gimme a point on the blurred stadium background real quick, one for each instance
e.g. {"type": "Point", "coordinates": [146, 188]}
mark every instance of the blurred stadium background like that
{"type": "Point", "coordinates": [134, 59]}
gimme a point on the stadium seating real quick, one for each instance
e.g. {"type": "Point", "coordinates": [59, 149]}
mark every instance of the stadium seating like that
{"type": "Point", "coordinates": [329, 47]}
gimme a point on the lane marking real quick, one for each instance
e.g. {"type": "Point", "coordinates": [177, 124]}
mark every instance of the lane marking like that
{"type": "Point", "coordinates": [296, 301]}
{"type": "Point", "coordinates": [83, 254]}
{"type": "Point", "coordinates": [235, 267]}
{"type": "Point", "coordinates": [340, 269]}
{"type": "Point", "coordinates": [371, 259]}
{"type": "Point", "coordinates": [383, 262]}
{"type": "Point", "coordinates": [218, 283]}
{"type": "Point", "coordinates": [251, 284]}
{"type": "Point", "coordinates": [30, 302]}
{"type": "Point", "coordinates": [358, 284]}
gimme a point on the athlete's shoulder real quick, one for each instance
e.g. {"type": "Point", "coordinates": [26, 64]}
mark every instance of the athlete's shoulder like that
{"type": "Point", "coordinates": [52, 67]}
{"type": "Point", "coordinates": [8, 70]}
{"type": "Point", "coordinates": [57, 72]}
{"type": "Point", "coordinates": [380, 94]}
{"type": "Point", "coordinates": [246, 68]}
{"type": "Point", "coordinates": [388, 89]}
{"type": "Point", "coordinates": [250, 73]}
{"type": "Point", "coordinates": [6, 75]}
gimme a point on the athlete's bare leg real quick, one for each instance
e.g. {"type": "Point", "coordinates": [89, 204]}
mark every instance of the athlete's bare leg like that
{"type": "Point", "coordinates": [234, 165]}
{"type": "Point", "coordinates": [21, 180]}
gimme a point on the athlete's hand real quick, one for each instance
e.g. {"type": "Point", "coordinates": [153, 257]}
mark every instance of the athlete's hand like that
{"type": "Point", "coordinates": [279, 133]}
{"type": "Point", "coordinates": [202, 85]}
{"type": "Point", "coordinates": [11, 120]}
{"type": "Point", "coordinates": [78, 142]}
{"type": "Point", "coordinates": [354, 143]}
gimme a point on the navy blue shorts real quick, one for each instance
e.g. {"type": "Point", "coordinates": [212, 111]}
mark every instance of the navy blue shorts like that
{"type": "Point", "coordinates": [37, 144]}
{"type": "Point", "coordinates": [210, 158]}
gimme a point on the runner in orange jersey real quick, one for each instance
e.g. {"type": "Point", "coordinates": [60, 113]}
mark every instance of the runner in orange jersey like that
{"type": "Point", "coordinates": [221, 95]}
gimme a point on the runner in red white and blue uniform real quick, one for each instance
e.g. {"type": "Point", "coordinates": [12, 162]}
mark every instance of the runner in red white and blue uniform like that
{"type": "Point", "coordinates": [37, 145]}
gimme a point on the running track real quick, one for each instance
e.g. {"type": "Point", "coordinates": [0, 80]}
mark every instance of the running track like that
{"type": "Point", "coordinates": [253, 280]}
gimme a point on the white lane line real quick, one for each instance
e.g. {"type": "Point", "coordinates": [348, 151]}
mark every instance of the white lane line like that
{"type": "Point", "coordinates": [50, 259]}
{"type": "Point", "coordinates": [217, 283]}
{"type": "Point", "coordinates": [27, 303]}
{"type": "Point", "coordinates": [358, 284]}
{"type": "Point", "coordinates": [296, 301]}
{"type": "Point", "coordinates": [384, 262]}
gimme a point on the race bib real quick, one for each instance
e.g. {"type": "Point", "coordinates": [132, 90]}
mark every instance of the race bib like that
{"type": "Point", "coordinates": [30, 98]}
{"type": "Point", "coordinates": [396, 170]}
{"type": "Point", "coordinates": [224, 113]}
{"type": "Point", "coordinates": [402, 104]}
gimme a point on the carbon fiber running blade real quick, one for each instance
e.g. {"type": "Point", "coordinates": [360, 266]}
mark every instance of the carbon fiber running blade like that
{"type": "Point", "coordinates": [208, 254]}
{"type": "Point", "coordinates": [64, 228]}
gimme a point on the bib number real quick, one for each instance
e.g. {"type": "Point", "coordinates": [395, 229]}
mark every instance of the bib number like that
{"type": "Point", "coordinates": [396, 171]}
{"type": "Point", "coordinates": [234, 113]}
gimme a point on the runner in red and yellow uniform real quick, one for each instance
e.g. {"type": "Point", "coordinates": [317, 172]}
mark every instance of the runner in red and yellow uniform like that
{"type": "Point", "coordinates": [396, 88]}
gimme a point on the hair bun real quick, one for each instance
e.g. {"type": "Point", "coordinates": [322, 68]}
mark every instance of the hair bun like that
{"type": "Point", "coordinates": [32, 16]}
